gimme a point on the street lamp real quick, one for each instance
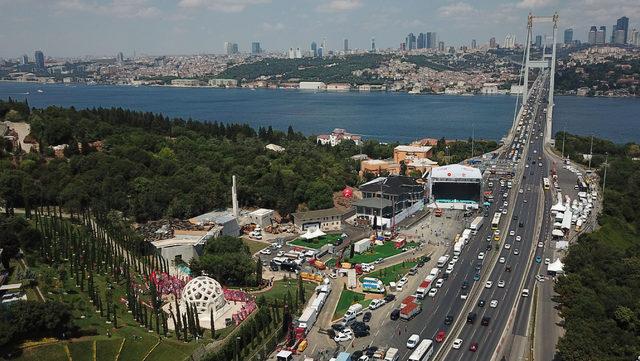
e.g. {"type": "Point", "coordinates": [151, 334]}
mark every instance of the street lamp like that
{"type": "Point", "coordinates": [606, 165]}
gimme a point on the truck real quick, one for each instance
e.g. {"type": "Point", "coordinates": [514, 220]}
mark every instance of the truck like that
{"type": "Point", "coordinates": [457, 248]}
{"type": "Point", "coordinates": [434, 272]}
{"type": "Point", "coordinates": [423, 289]}
{"type": "Point", "coordinates": [392, 355]}
{"type": "Point", "coordinates": [476, 224]}
{"type": "Point", "coordinates": [352, 312]}
{"type": "Point", "coordinates": [410, 311]}
{"type": "Point", "coordinates": [442, 261]}
{"type": "Point", "coordinates": [308, 318]}
{"type": "Point", "coordinates": [466, 234]}
{"type": "Point", "coordinates": [372, 285]}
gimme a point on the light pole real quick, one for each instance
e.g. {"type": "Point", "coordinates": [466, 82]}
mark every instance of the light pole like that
{"type": "Point", "coordinates": [237, 348]}
{"type": "Point", "coordinates": [606, 165]}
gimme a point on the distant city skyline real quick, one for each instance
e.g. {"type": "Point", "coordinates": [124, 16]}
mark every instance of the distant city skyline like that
{"type": "Point", "coordinates": [157, 27]}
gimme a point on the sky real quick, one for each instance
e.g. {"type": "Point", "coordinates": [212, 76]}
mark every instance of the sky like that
{"type": "Point", "coordinates": [70, 28]}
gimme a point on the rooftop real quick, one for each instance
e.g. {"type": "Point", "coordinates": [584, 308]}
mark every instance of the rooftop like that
{"type": "Point", "coordinates": [456, 171]}
{"type": "Point", "coordinates": [219, 217]}
{"type": "Point", "coordinates": [396, 184]}
{"type": "Point", "coordinates": [413, 148]}
{"type": "Point", "coordinates": [375, 202]}
{"type": "Point", "coordinates": [320, 213]}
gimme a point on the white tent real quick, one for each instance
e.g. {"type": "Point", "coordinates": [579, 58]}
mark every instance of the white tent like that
{"type": "Point", "coordinates": [557, 267]}
{"type": "Point", "coordinates": [562, 245]}
{"type": "Point", "coordinates": [313, 234]}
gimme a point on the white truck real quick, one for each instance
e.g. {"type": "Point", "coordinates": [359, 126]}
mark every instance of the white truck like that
{"type": "Point", "coordinates": [352, 312]}
{"type": "Point", "coordinates": [476, 224]}
{"type": "Point", "coordinates": [457, 248]}
{"type": "Point", "coordinates": [423, 289]}
{"type": "Point", "coordinates": [442, 261]}
{"type": "Point", "coordinates": [308, 318]}
{"type": "Point", "coordinates": [392, 355]}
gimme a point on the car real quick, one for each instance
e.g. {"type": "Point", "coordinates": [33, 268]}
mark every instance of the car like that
{"type": "Point", "coordinates": [501, 284]}
{"type": "Point", "coordinates": [525, 200]}
{"type": "Point", "coordinates": [413, 341]}
{"type": "Point", "coordinates": [504, 211]}
{"type": "Point", "coordinates": [476, 277]}
{"type": "Point", "coordinates": [507, 268]}
{"type": "Point", "coordinates": [338, 327]}
{"type": "Point", "coordinates": [378, 261]}
{"type": "Point", "coordinates": [505, 204]}
{"type": "Point", "coordinates": [389, 298]}
{"type": "Point", "coordinates": [432, 292]}
{"type": "Point", "coordinates": [455, 258]}
{"type": "Point", "coordinates": [540, 278]}
{"type": "Point", "coordinates": [547, 261]}
{"type": "Point", "coordinates": [488, 284]}
{"type": "Point", "coordinates": [521, 190]}
{"type": "Point", "coordinates": [376, 303]}
{"type": "Point", "coordinates": [471, 317]}
{"type": "Point", "coordinates": [507, 246]}
{"type": "Point", "coordinates": [505, 195]}
{"type": "Point", "coordinates": [464, 295]}
{"type": "Point", "coordinates": [515, 217]}
{"type": "Point", "coordinates": [465, 284]}
{"type": "Point", "coordinates": [502, 260]}
{"type": "Point", "coordinates": [481, 255]}
{"type": "Point", "coordinates": [521, 224]}
{"type": "Point", "coordinates": [395, 314]}
{"type": "Point", "coordinates": [540, 244]}
{"type": "Point", "coordinates": [493, 303]}
{"type": "Point", "coordinates": [481, 303]}
{"type": "Point", "coordinates": [539, 164]}
{"type": "Point", "coordinates": [448, 320]}
{"type": "Point", "coordinates": [478, 266]}
{"type": "Point", "coordinates": [366, 317]}
{"type": "Point", "coordinates": [457, 343]}
{"type": "Point", "coordinates": [489, 247]}
{"type": "Point", "coordinates": [439, 282]}
{"type": "Point", "coordinates": [518, 238]}
{"type": "Point", "coordinates": [440, 336]}
{"type": "Point", "coordinates": [473, 347]}
{"type": "Point", "coordinates": [449, 269]}
{"type": "Point", "coordinates": [280, 253]}
{"type": "Point", "coordinates": [488, 238]}
{"type": "Point", "coordinates": [538, 259]}
{"type": "Point", "coordinates": [266, 251]}
{"type": "Point", "coordinates": [516, 252]}
{"type": "Point", "coordinates": [496, 232]}
{"type": "Point", "coordinates": [345, 335]}
{"type": "Point", "coordinates": [512, 233]}
{"type": "Point", "coordinates": [445, 276]}
{"type": "Point", "coordinates": [402, 282]}
{"type": "Point", "coordinates": [485, 321]}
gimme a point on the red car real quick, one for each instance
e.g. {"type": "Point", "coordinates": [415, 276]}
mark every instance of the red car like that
{"type": "Point", "coordinates": [473, 347]}
{"type": "Point", "coordinates": [440, 336]}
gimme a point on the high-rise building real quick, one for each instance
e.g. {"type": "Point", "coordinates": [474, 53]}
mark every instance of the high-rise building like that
{"type": "Point", "coordinates": [492, 43]}
{"type": "Point", "coordinates": [568, 36]}
{"type": "Point", "coordinates": [432, 42]}
{"type": "Point", "coordinates": [601, 35]}
{"type": "Point", "coordinates": [510, 41]}
{"type": "Point", "coordinates": [230, 48]}
{"type": "Point", "coordinates": [441, 46]}
{"type": "Point", "coordinates": [320, 52]}
{"type": "Point", "coordinates": [634, 37]}
{"type": "Point", "coordinates": [25, 59]}
{"type": "Point", "coordinates": [592, 35]}
{"type": "Point", "coordinates": [623, 24]}
{"type": "Point", "coordinates": [255, 48]}
{"type": "Point", "coordinates": [422, 41]}
{"type": "Point", "coordinates": [474, 45]}
{"type": "Point", "coordinates": [618, 37]}
{"type": "Point", "coordinates": [403, 46]}
{"type": "Point", "coordinates": [39, 59]}
{"type": "Point", "coordinates": [346, 45]}
{"type": "Point", "coordinates": [538, 41]}
{"type": "Point", "coordinates": [120, 58]}
{"type": "Point", "coordinates": [373, 44]}
{"type": "Point", "coordinates": [314, 49]}
{"type": "Point", "coordinates": [410, 41]}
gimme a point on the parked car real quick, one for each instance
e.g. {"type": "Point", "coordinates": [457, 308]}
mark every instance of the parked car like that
{"type": "Point", "coordinates": [377, 303]}
{"type": "Point", "coordinates": [395, 314]}
{"type": "Point", "coordinates": [366, 317]}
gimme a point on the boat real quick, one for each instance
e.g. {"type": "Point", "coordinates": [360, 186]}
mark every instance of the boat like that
{"type": "Point", "coordinates": [40, 91]}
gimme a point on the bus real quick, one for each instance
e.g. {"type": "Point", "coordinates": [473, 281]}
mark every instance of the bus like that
{"type": "Point", "coordinates": [545, 183]}
{"type": "Point", "coordinates": [423, 352]}
{"type": "Point", "coordinates": [496, 220]}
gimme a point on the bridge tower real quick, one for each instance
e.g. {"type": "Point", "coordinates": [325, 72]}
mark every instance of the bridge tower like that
{"type": "Point", "coordinates": [547, 61]}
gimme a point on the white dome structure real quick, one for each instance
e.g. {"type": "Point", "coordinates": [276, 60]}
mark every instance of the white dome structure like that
{"type": "Point", "coordinates": [205, 293]}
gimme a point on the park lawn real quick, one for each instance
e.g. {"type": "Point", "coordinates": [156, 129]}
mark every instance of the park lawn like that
{"type": "Point", "coordinates": [107, 350]}
{"type": "Point", "coordinates": [391, 273]}
{"type": "Point", "coordinates": [255, 246]}
{"type": "Point", "coordinates": [136, 350]}
{"type": "Point", "coordinates": [52, 352]}
{"type": "Point", "coordinates": [384, 251]}
{"type": "Point", "coordinates": [280, 288]}
{"type": "Point", "coordinates": [315, 243]}
{"type": "Point", "coordinates": [348, 298]}
{"type": "Point", "coordinates": [81, 350]}
{"type": "Point", "coordinates": [170, 351]}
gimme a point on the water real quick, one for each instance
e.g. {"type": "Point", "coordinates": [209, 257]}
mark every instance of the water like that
{"type": "Point", "coordinates": [384, 116]}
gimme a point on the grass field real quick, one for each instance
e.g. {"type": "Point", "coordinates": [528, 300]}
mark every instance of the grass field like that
{"type": "Point", "coordinates": [53, 352]}
{"type": "Point", "coordinates": [281, 287]}
{"type": "Point", "coordinates": [255, 246]}
{"type": "Point", "coordinates": [107, 349]}
{"type": "Point", "coordinates": [81, 350]}
{"type": "Point", "coordinates": [348, 298]}
{"type": "Point", "coordinates": [391, 273]}
{"type": "Point", "coordinates": [315, 243]}
{"type": "Point", "coordinates": [386, 250]}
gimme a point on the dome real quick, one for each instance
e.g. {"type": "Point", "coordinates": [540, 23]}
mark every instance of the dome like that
{"type": "Point", "coordinates": [204, 292]}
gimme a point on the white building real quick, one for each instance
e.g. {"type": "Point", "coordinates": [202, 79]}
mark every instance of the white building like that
{"type": "Point", "coordinates": [337, 136]}
{"type": "Point", "coordinates": [313, 85]}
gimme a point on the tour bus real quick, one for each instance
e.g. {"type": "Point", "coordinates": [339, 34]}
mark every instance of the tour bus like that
{"type": "Point", "coordinates": [496, 220]}
{"type": "Point", "coordinates": [423, 352]}
{"type": "Point", "coordinates": [545, 183]}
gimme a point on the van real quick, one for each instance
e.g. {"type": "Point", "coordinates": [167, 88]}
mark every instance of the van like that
{"type": "Point", "coordinates": [434, 272]}
{"type": "Point", "coordinates": [392, 354]}
{"type": "Point", "coordinates": [352, 312]}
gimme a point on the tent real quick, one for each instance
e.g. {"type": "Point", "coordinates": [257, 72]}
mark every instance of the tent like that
{"type": "Point", "coordinates": [562, 245]}
{"type": "Point", "coordinates": [313, 234]}
{"type": "Point", "coordinates": [557, 267]}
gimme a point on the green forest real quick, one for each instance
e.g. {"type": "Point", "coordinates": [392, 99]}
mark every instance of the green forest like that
{"type": "Point", "coordinates": [601, 76]}
{"type": "Point", "coordinates": [600, 294]}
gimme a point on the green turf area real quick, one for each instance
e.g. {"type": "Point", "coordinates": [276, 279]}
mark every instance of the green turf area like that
{"type": "Point", "coordinates": [106, 350]}
{"type": "Point", "coordinates": [136, 349]}
{"type": "Point", "coordinates": [391, 273]}
{"type": "Point", "coordinates": [255, 246]}
{"type": "Point", "coordinates": [316, 243]}
{"type": "Point", "coordinates": [53, 352]}
{"type": "Point", "coordinates": [348, 298]}
{"type": "Point", "coordinates": [169, 351]}
{"type": "Point", "coordinates": [81, 350]}
{"type": "Point", "coordinates": [281, 287]}
{"type": "Point", "coordinates": [386, 250]}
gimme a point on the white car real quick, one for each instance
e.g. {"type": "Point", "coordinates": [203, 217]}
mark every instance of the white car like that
{"type": "Point", "coordinates": [440, 282]}
{"type": "Point", "coordinates": [481, 255]}
{"type": "Point", "coordinates": [413, 341]}
{"type": "Point", "coordinates": [504, 211]}
{"type": "Point", "coordinates": [518, 238]}
{"type": "Point", "coordinates": [402, 282]}
{"type": "Point", "coordinates": [507, 246]}
{"type": "Point", "coordinates": [489, 284]}
{"type": "Point", "coordinates": [516, 252]}
{"type": "Point", "coordinates": [463, 296]}
{"type": "Point", "coordinates": [449, 269]}
{"type": "Point", "coordinates": [505, 195]}
{"type": "Point", "coordinates": [540, 278]}
{"type": "Point", "coordinates": [457, 343]}
{"type": "Point", "coordinates": [345, 335]}
{"type": "Point", "coordinates": [512, 233]}
{"type": "Point", "coordinates": [432, 292]}
{"type": "Point", "coordinates": [266, 251]}
{"type": "Point", "coordinates": [505, 204]}
{"type": "Point", "coordinates": [455, 258]}
{"type": "Point", "coordinates": [540, 244]}
{"type": "Point", "coordinates": [377, 303]}
{"type": "Point", "coordinates": [547, 261]}
{"type": "Point", "coordinates": [501, 284]}
{"type": "Point", "coordinates": [496, 232]}
{"type": "Point", "coordinates": [280, 253]}
{"type": "Point", "coordinates": [521, 191]}
{"type": "Point", "coordinates": [493, 304]}
{"type": "Point", "coordinates": [501, 260]}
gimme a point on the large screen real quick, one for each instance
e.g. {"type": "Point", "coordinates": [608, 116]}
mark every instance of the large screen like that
{"type": "Point", "coordinates": [456, 191]}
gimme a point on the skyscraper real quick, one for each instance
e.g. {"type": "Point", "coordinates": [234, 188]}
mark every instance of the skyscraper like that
{"type": "Point", "coordinates": [373, 44]}
{"type": "Point", "coordinates": [39, 58]}
{"type": "Point", "coordinates": [601, 35]}
{"type": "Point", "coordinates": [410, 41]}
{"type": "Point", "coordinates": [474, 45]}
{"type": "Point", "coordinates": [441, 46]}
{"type": "Point", "coordinates": [634, 37]}
{"type": "Point", "coordinates": [568, 36]}
{"type": "Point", "coordinates": [623, 24]}
{"type": "Point", "coordinates": [314, 49]}
{"type": "Point", "coordinates": [120, 58]}
{"type": "Point", "coordinates": [539, 41]}
{"type": "Point", "coordinates": [320, 52]}
{"type": "Point", "coordinates": [25, 59]}
{"type": "Point", "coordinates": [255, 48]}
{"type": "Point", "coordinates": [432, 42]}
{"type": "Point", "coordinates": [422, 41]}
{"type": "Point", "coordinates": [346, 45]}
{"type": "Point", "coordinates": [230, 48]}
{"type": "Point", "coordinates": [592, 35]}
{"type": "Point", "coordinates": [510, 41]}
{"type": "Point", "coordinates": [492, 43]}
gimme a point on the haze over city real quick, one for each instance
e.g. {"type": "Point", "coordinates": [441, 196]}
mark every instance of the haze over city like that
{"type": "Point", "coordinates": [66, 28]}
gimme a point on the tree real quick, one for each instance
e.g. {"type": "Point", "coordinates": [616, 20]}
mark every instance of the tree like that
{"type": "Point", "coordinates": [301, 295]}
{"type": "Point", "coordinates": [258, 272]}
